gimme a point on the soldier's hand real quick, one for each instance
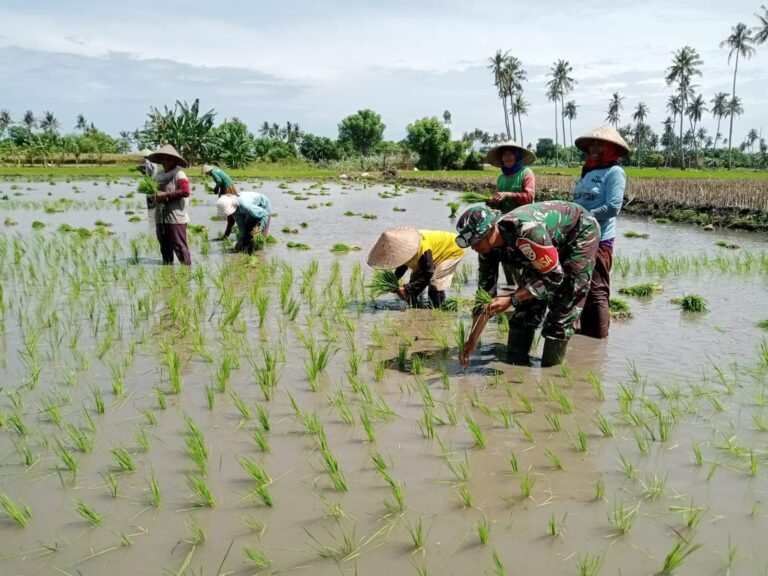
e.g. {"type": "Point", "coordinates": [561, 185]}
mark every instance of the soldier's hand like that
{"type": "Point", "coordinates": [498, 305]}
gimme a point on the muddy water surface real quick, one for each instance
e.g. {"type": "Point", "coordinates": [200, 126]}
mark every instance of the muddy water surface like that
{"type": "Point", "coordinates": [665, 420]}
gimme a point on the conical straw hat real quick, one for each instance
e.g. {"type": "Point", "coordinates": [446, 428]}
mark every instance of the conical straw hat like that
{"type": "Point", "coordinates": [494, 154]}
{"type": "Point", "coordinates": [207, 168]}
{"type": "Point", "coordinates": [606, 133]}
{"type": "Point", "coordinates": [145, 152]}
{"type": "Point", "coordinates": [394, 248]}
{"type": "Point", "coordinates": [167, 150]}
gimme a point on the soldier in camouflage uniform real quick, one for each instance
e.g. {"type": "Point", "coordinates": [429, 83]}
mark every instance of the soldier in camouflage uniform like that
{"type": "Point", "coordinates": [555, 243]}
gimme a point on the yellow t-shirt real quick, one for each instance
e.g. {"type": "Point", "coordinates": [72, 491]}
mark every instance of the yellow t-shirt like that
{"type": "Point", "coordinates": [442, 244]}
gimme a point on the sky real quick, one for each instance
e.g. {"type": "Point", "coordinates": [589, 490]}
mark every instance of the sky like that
{"type": "Point", "coordinates": [316, 62]}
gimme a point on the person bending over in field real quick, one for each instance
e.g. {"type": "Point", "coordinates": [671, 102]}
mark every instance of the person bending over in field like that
{"type": "Point", "coordinates": [251, 211]}
{"type": "Point", "coordinates": [431, 255]}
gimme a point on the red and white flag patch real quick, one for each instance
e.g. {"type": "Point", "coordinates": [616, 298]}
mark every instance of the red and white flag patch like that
{"type": "Point", "coordinates": [543, 258]}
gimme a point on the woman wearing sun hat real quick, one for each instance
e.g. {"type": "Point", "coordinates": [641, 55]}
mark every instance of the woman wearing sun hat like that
{"type": "Point", "coordinates": [171, 215]}
{"type": "Point", "coordinates": [224, 184]}
{"type": "Point", "coordinates": [516, 185]}
{"type": "Point", "coordinates": [251, 211]}
{"type": "Point", "coordinates": [600, 189]}
{"type": "Point", "coordinates": [555, 244]}
{"type": "Point", "coordinates": [432, 256]}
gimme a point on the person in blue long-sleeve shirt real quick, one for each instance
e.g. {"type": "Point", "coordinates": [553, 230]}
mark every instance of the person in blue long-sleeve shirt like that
{"type": "Point", "coordinates": [601, 191]}
{"type": "Point", "coordinates": [251, 212]}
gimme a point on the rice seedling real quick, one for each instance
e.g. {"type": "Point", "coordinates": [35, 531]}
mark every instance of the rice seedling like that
{"type": "Point", "coordinates": [513, 464]}
{"type": "Point", "coordinates": [465, 496]}
{"type": "Point", "coordinates": [98, 399]}
{"type": "Point", "coordinates": [483, 529]}
{"type": "Point", "coordinates": [254, 524]}
{"type": "Point", "coordinates": [526, 404]}
{"type": "Point", "coordinates": [622, 517]}
{"type": "Point", "coordinates": [256, 557]}
{"type": "Point", "coordinates": [416, 532]}
{"type": "Point", "coordinates": [554, 528]}
{"type": "Point", "coordinates": [653, 486]}
{"type": "Point", "coordinates": [460, 334]}
{"type": "Point", "coordinates": [365, 421]}
{"type": "Point", "coordinates": [200, 489]}
{"type": "Point", "coordinates": [691, 303]}
{"type": "Point", "coordinates": [619, 308]}
{"type": "Point", "coordinates": [506, 417]}
{"type": "Point", "coordinates": [555, 460]}
{"type": "Point", "coordinates": [334, 471]}
{"type": "Point", "coordinates": [470, 197]}
{"type": "Point", "coordinates": [604, 426]}
{"type": "Point", "coordinates": [241, 405]}
{"type": "Point", "coordinates": [172, 362]}
{"type": "Point", "coordinates": [561, 398]}
{"type": "Point", "coordinates": [383, 282]}
{"type": "Point", "coordinates": [19, 513]}
{"type": "Point", "coordinates": [678, 555]}
{"type": "Point", "coordinates": [147, 185]}
{"type": "Point", "coordinates": [527, 482]}
{"type": "Point", "coordinates": [153, 488]}
{"type": "Point", "coordinates": [477, 433]}
{"type": "Point", "coordinates": [160, 395]}
{"type": "Point", "coordinates": [554, 422]}
{"type": "Point", "coordinates": [580, 441]}
{"type": "Point", "coordinates": [633, 234]}
{"type": "Point", "coordinates": [763, 324]}
{"type": "Point", "coordinates": [629, 468]}
{"type": "Point", "coordinates": [599, 489]}
{"type": "Point", "coordinates": [590, 565]}
{"type": "Point", "coordinates": [142, 441]}
{"type": "Point", "coordinates": [87, 513]}
{"type": "Point", "coordinates": [416, 365]}
{"type": "Point", "coordinates": [123, 459]}
{"type": "Point", "coordinates": [68, 460]}
{"type": "Point", "coordinates": [524, 430]}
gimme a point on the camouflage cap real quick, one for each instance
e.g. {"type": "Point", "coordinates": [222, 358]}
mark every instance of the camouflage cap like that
{"type": "Point", "coordinates": [475, 224]}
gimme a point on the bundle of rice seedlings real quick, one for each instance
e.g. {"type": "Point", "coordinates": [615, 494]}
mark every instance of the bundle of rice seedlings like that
{"type": "Point", "coordinates": [147, 186]}
{"type": "Point", "coordinates": [641, 290]}
{"type": "Point", "coordinates": [469, 197]}
{"type": "Point", "coordinates": [454, 206]}
{"type": "Point", "coordinates": [691, 303]}
{"type": "Point", "coordinates": [633, 234]}
{"type": "Point", "coordinates": [482, 300]}
{"type": "Point", "coordinates": [384, 282]}
{"type": "Point", "coordinates": [619, 308]}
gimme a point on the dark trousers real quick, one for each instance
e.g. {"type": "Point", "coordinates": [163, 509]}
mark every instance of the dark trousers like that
{"type": "Point", "coordinates": [596, 316]}
{"type": "Point", "coordinates": [248, 227]}
{"type": "Point", "coordinates": [173, 239]}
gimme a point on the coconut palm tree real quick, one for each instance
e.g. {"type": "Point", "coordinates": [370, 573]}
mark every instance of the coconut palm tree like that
{"type": "Point", "coordinates": [49, 124]}
{"type": "Point", "coordinates": [615, 107]}
{"type": "Point", "coordinates": [553, 96]}
{"type": "Point", "coordinates": [512, 79]}
{"type": "Point", "coordinates": [447, 117]}
{"type": "Point", "coordinates": [497, 65]}
{"type": "Point", "coordinates": [740, 43]}
{"type": "Point", "coordinates": [521, 109]}
{"type": "Point", "coordinates": [719, 110]}
{"type": "Point", "coordinates": [752, 137]}
{"type": "Point", "coordinates": [570, 112]}
{"type": "Point", "coordinates": [29, 120]}
{"type": "Point", "coordinates": [695, 111]}
{"type": "Point", "coordinates": [686, 64]}
{"type": "Point", "coordinates": [81, 123]}
{"type": "Point", "coordinates": [639, 115]}
{"type": "Point", "coordinates": [5, 121]}
{"type": "Point", "coordinates": [564, 84]}
{"type": "Point", "coordinates": [761, 30]}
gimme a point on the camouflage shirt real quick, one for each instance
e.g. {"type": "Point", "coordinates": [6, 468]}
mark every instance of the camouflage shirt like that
{"type": "Point", "coordinates": [538, 237]}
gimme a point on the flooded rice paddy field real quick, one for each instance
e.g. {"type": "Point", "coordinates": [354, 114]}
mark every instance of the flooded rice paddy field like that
{"type": "Point", "coordinates": [265, 415]}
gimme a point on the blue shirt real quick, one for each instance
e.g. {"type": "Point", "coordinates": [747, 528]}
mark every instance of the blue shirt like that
{"type": "Point", "coordinates": [255, 205]}
{"type": "Point", "coordinates": [602, 193]}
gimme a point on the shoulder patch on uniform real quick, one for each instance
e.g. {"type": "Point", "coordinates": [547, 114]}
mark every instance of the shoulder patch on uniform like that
{"type": "Point", "coordinates": [543, 258]}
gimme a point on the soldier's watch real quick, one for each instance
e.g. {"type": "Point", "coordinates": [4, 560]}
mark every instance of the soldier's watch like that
{"type": "Point", "coordinates": [513, 300]}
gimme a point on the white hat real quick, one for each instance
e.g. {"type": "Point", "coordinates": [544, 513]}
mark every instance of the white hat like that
{"type": "Point", "coordinates": [207, 168]}
{"type": "Point", "coordinates": [394, 248]}
{"type": "Point", "coordinates": [226, 205]}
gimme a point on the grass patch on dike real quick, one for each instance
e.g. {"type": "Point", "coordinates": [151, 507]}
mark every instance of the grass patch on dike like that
{"type": "Point", "coordinates": [306, 170]}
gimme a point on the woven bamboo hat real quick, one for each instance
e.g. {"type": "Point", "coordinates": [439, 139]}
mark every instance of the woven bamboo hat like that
{"type": "Point", "coordinates": [494, 154]}
{"type": "Point", "coordinates": [167, 150]}
{"type": "Point", "coordinates": [207, 168]}
{"type": "Point", "coordinates": [605, 133]}
{"type": "Point", "coordinates": [145, 152]}
{"type": "Point", "coordinates": [226, 206]}
{"type": "Point", "coordinates": [394, 248]}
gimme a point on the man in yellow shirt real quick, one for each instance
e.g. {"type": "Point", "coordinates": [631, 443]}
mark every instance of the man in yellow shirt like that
{"type": "Point", "coordinates": [432, 256]}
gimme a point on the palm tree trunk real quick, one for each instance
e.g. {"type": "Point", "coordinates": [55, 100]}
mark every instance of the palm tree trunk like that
{"type": "Point", "coordinates": [733, 99]}
{"type": "Point", "coordinates": [520, 122]}
{"type": "Point", "coordinates": [556, 134]}
{"type": "Point", "coordinates": [682, 121]}
{"type": "Point", "coordinates": [570, 129]}
{"type": "Point", "coordinates": [506, 116]}
{"type": "Point", "coordinates": [562, 119]}
{"type": "Point", "coordinates": [717, 132]}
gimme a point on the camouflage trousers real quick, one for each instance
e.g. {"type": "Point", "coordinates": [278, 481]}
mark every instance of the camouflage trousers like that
{"type": "Point", "coordinates": [564, 305]}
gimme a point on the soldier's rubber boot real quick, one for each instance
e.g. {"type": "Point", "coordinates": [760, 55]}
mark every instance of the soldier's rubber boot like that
{"type": "Point", "coordinates": [554, 352]}
{"type": "Point", "coordinates": [519, 341]}
{"type": "Point", "coordinates": [436, 298]}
